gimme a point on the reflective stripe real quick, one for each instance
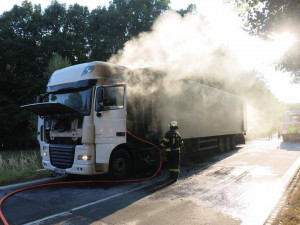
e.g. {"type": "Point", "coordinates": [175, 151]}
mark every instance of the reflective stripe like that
{"type": "Point", "coordinates": [166, 139]}
{"type": "Point", "coordinates": [174, 170]}
{"type": "Point", "coordinates": [169, 149]}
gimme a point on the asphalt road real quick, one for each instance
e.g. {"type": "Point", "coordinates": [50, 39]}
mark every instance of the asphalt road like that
{"type": "Point", "coordinates": [238, 187]}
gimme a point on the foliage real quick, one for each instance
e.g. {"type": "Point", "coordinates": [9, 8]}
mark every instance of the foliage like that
{"type": "Point", "coordinates": [190, 9]}
{"type": "Point", "coordinates": [56, 62]}
{"type": "Point", "coordinates": [110, 28]}
{"type": "Point", "coordinates": [266, 17]}
{"type": "Point", "coordinates": [293, 107]}
{"type": "Point", "coordinates": [20, 76]}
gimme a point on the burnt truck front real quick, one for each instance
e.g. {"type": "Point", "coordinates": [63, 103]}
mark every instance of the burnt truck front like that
{"type": "Point", "coordinates": [66, 119]}
{"type": "Point", "coordinates": [290, 126]}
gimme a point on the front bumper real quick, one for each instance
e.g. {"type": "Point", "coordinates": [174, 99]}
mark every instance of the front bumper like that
{"type": "Point", "coordinates": [76, 166]}
{"type": "Point", "coordinates": [78, 169]}
{"type": "Point", "coordinates": [291, 137]}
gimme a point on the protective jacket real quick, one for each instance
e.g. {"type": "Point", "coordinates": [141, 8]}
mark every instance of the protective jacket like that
{"type": "Point", "coordinates": [172, 143]}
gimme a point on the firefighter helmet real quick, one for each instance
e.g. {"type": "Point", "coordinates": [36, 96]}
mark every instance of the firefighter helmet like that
{"type": "Point", "coordinates": [173, 124]}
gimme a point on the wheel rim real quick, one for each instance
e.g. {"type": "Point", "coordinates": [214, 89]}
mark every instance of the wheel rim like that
{"type": "Point", "coordinates": [120, 166]}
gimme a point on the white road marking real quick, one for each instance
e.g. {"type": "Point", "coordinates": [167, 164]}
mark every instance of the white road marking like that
{"type": "Point", "coordinates": [69, 212]}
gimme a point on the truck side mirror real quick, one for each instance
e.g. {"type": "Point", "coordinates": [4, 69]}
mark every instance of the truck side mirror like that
{"type": "Point", "coordinates": [39, 99]}
{"type": "Point", "coordinates": [99, 99]}
{"type": "Point", "coordinates": [99, 106]}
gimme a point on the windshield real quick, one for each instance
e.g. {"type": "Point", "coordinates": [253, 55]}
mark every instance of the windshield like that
{"type": "Point", "coordinates": [291, 118]}
{"type": "Point", "coordinates": [80, 101]}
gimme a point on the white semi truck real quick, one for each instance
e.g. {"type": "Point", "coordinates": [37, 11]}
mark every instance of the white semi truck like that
{"type": "Point", "coordinates": [87, 109]}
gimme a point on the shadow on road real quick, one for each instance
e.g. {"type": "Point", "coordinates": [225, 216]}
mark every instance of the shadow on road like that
{"type": "Point", "coordinates": [290, 146]}
{"type": "Point", "coordinates": [203, 161]}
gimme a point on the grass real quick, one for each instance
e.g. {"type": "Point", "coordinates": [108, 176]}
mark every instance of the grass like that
{"type": "Point", "coordinates": [19, 166]}
{"type": "Point", "coordinates": [290, 213]}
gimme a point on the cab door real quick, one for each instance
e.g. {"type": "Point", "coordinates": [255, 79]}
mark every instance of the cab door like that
{"type": "Point", "coordinates": [109, 120]}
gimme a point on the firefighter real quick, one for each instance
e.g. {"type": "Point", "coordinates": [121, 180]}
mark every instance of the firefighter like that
{"type": "Point", "coordinates": [172, 143]}
{"type": "Point", "coordinates": [293, 131]}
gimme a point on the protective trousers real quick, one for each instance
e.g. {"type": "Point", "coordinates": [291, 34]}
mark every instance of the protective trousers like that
{"type": "Point", "coordinates": [173, 163]}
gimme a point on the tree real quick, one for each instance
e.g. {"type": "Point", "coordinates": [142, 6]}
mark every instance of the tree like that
{"type": "Point", "coordinates": [54, 32]}
{"type": "Point", "coordinates": [56, 62]}
{"type": "Point", "coordinates": [76, 28]}
{"type": "Point", "coordinates": [265, 17]}
{"type": "Point", "coordinates": [20, 77]}
{"type": "Point", "coordinates": [190, 9]}
{"type": "Point", "coordinates": [109, 28]}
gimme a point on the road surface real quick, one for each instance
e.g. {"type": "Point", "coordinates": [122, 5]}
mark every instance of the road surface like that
{"type": "Point", "coordinates": [237, 187]}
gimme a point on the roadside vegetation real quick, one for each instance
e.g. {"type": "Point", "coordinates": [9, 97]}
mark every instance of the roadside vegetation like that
{"type": "Point", "coordinates": [19, 166]}
{"type": "Point", "coordinates": [290, 212]}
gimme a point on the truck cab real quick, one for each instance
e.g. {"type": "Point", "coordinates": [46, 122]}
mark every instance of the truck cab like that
{"type": "Point", "coordinates": [82, 120]}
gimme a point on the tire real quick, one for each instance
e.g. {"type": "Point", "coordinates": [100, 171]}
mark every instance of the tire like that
{"type": "Point", "coordinates": [120, 164]}
{"type": "Point", "coordinates": [227, 143]}
{"type": "Point", "coordinates": [233, 142]}
{"type": "Point", "coordinates": [221, 144]}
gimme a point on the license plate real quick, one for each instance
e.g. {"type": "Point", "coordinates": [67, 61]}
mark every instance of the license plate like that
{"type": "Point", "coordinates": [60, 171]}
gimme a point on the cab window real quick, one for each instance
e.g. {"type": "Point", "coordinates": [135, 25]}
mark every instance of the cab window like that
{"type": "Point", "coordinates": [113, 98]}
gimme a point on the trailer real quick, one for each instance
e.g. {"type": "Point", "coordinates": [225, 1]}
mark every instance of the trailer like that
{"type": "Point", "coordinates": [87, 109]}
{"type": "Point", "coordinates": [290, 126]}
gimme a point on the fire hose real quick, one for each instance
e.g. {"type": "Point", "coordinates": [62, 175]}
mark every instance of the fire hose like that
{"type": "Point", "coordinates": [83, 182]}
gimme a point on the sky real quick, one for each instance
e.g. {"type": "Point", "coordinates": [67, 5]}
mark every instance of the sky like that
{"type": "Point", "coordinates": [278, 82]}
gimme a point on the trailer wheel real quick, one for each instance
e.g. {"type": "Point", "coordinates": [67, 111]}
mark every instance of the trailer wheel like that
{"type": "Point", "coordinates": [233, 142]}
{"type": "Point", "coordinates": [120, 164]}
{"type": "Point", "coordinates": [221, 144]}
{"type": "Point", "coordinates": [227, 143]}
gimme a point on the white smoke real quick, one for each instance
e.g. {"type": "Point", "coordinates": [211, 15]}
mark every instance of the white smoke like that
{"type": "Point", "coordinates": [208, 44]}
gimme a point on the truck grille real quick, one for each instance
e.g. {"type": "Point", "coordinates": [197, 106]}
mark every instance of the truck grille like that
{"type": "Point", "coordinates": [62, 156]}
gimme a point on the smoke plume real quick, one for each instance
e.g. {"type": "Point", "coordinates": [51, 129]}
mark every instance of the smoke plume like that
{"type": "Point", "coordinates": [209, 47]}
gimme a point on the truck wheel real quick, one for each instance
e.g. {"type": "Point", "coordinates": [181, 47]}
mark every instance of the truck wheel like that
{"type": "Point", "coordinates": [227, 143]}
{"type": "Point", "coordinates": [120, 164]}
{"type": "Point", "coordinates": [233, 142]}
{"type": "Point", "coordinates": [221, 144]}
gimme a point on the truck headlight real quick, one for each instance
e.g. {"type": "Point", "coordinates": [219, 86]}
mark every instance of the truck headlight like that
{"type": "Point", "coordinates": [84, 157]}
